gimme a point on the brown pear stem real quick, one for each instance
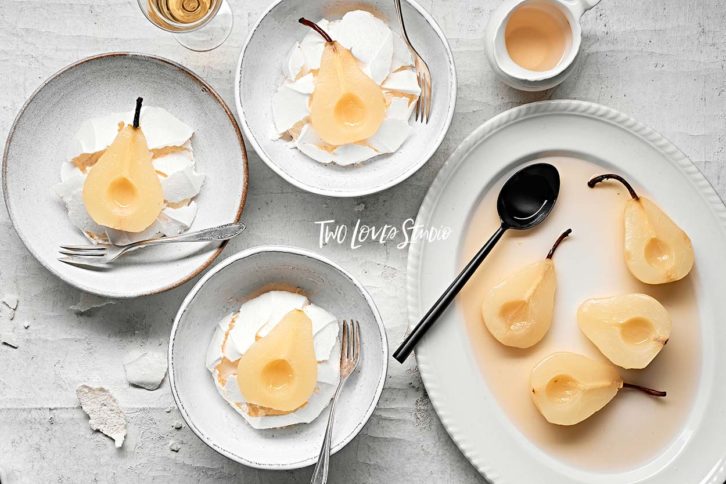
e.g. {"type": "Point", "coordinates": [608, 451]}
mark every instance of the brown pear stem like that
{"type": "Point", "coordinates": [613, 176]}
{"type": "Point", "coordinates": [649, 391]}
{"type": "Point", "coordinates": [557, 243]}
{"type": "Point", "coordinates": [137, 113]}
{"type": "Point", "coordinates": [316, 28]}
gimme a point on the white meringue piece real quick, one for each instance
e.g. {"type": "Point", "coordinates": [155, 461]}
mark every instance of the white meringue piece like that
{"type": "Point", "coordinates": [304, 85]}
{"type": "Point", "coordinates": [403, 81]}
{"type": "Point", "coordinates": [390, 136]}
{"type": "Point", "coordinates": [228, 349]}
{"type": "Point", "coordinates": [295, 61]}
{"type": "Point", "coordinates": [171, 163]}
{"type": "Point", "coordinates": [231, 390]}
{"type": "Point", "coordinates": [309, 143]}
{"type": "Point", "coordinates": [160, 128]}
{"type": "Point", "coordinates": [72, 183]}
{"type": "Point", "coordinates": [79, 216]}
{"type": "Point", "coordinates": [329, 370]}
{"type": "Point", "coordinates": [119, 237]}
{"type": "Point", "coordinates": [258, 312]}
{"type": "Point", "coordinates": [400, 108]}
{"type": "Point", "coordinates": [401, 53]}
{"type": "Point", "coordinates": [182, 185]}
{"type": "Point", "coordinates": [288, 107]}
{"type": "Point", "coordinates": [213, 355]}
{"type": "Point", "coordinates": [325, 340]}
{"type": "Point", "coordinates": [145, 369]}
{"type": "Point", "coordinates": [174, 221]}
{"type": "Point", "coordinates": [167, 129]}
{"type": "Point", "coordinates": [68, 169]}
{"type": "Point", "coordinates": [380, 66]}
{"type": "Point", "coordinates": [369, 40]}
{"type": "Point", "coordinates": [349, 154]}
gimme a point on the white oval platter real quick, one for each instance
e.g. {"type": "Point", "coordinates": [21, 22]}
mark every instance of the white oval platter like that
{"type": "Point", "coordinates": [446, 360]}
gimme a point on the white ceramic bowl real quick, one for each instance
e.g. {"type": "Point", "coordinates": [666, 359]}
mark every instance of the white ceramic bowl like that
{"type": "Point", "coordinates": [219, 293]}
{"type": "Point", "coordinates": [38, 143]}
{"type": "Point", "coordinates": [259, 74]}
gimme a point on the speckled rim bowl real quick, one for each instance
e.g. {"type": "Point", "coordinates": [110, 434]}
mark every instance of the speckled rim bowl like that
{"type": "Point", "coordinates": [259, 74]}
{"type": "Point", "coordinates": [38, 144]}
{"type": "Point", "coordinates": [219, 293]}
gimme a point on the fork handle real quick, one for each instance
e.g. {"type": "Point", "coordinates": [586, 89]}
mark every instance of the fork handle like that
{"type": "Point", "coordinates": [222, 232]}
{"type": "Point", "coordinates": [320, 474]}
{"type": "Point", "coordinates": [397, 3]}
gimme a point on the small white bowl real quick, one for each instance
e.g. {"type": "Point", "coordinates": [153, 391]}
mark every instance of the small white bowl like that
{"type": "Point", "coordinates": [219, 293]}
{"type": "Point", "coordinates": [259, 74]}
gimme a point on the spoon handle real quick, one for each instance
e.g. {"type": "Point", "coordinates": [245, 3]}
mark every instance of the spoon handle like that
{"type": "Point", "coordinates": [440, 306]}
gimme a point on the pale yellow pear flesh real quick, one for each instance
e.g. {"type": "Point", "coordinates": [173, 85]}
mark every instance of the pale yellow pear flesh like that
{"type": "Point", "coordinates": [280, 370]}
{"type": "Point", "coordinates": [122, 190]}
{"type": "Point", "coordinates": [346, 106]}
{"type": "Point", "coordinates": [518, 311]}
{"type": "Point", "coordinates": [657, 251]}
{"type": "Point", "coordinates": [630, 330]}
{"type": "Point", "coordinates": [567, 388]}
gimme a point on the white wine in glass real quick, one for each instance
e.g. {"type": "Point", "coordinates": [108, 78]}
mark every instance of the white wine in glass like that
{"type": "Point", "coordinates": [199, 25]}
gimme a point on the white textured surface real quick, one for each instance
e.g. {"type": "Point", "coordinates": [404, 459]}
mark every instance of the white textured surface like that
{"type": "Point", "coordinates": [661, 63]}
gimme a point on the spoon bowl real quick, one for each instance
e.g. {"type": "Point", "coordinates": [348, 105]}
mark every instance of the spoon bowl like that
{"type": "Point", "coordinates": [525, 200]}
{"type": "Point", "coordinates": [528, 196]}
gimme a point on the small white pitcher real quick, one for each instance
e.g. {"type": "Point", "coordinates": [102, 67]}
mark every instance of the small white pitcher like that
{"type": "Point", "coordinates": [517, 76]}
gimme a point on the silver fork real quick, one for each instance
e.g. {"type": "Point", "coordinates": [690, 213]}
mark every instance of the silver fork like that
{"type": "Point", "coordinates": [349, 358]}
{"type": "Point", "coordinates": [423, 74]}
{"type": "Point", "coordinates": [100, 255]}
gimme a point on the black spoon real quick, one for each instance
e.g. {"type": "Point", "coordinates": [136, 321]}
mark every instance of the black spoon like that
{"type": "Point", "coordinates": [524, 201]}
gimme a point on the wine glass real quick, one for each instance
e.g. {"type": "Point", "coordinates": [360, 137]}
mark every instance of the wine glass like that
{"type": "Point", "coordinates": [198, 25]}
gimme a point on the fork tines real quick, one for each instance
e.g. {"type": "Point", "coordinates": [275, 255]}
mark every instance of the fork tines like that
{"type": "Point", "coordinates": [350, 345]}
{"type": "Point", "coordinates": [423, 105]}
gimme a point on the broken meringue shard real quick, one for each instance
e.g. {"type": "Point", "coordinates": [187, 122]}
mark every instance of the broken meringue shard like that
{"type": "Point", "coordinates": [104, 412]}
{"type": "Point", "coordinates": [381, 55]}
{"type": "Point", "coordinates": [169, 140]}
{"type": "Point", "coordinates": [145, 370]}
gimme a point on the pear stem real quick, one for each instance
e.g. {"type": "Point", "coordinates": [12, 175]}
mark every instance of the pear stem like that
{"type": "Point", "coordinates": [137, 113]}
{"type": "Point", "coordinates": [649, 391]}
{"type": "Point", "coordinates": [316, 28]}
{"type": "Point", "coordinates": [557, 243]}
{"type": "Point", "coordinates": [613, 176]}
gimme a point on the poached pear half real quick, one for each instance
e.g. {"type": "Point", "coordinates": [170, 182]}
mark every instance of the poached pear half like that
{"type": "Point", "coordinates": [346, 106]}
{"type": "Point", "coordinates": [629, 329]}
{"type": "Point", "coordinates": [122, 190]}
{"type": "Point", "coordinates": [518, 311]}
{"type": "Point", "coordinates": [280, 370]}
{"type": "Point", "coordinates": [657, 250]}
{"type": "Point", "coordinates": [567, 388]}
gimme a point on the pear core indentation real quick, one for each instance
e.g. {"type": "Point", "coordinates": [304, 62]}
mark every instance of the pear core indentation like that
{"type": "Point", "coordinates": [278, 374]}
{"type": "Point", "coordinates": [659, 254]}
{"type": "Point", "coordinates": [563, 389]}
{"type": "Point", "coordinates": [122, 192]}
{"type": "Point", "coordinates": [636, 330]}
{"type": "Point", "coordinates": [515, 313]}
{"type": "Point", "coordinates": [350, 110]}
